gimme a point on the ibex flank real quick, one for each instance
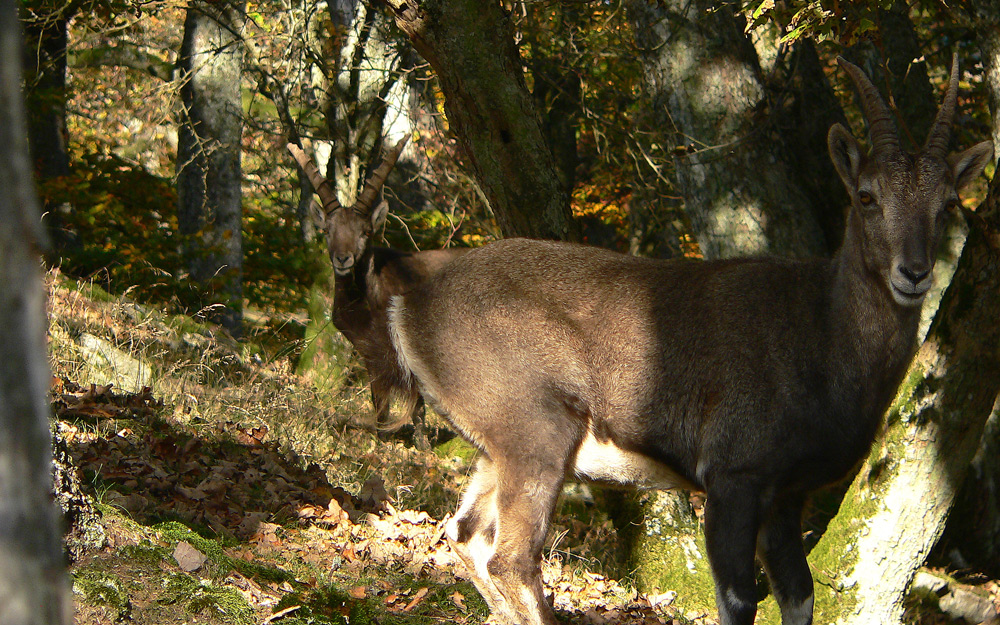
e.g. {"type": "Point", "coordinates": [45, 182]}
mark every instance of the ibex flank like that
{"type": "Point", "coordinates": [754, 380]}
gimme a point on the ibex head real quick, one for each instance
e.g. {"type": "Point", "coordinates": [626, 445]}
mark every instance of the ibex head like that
{"type": "Point", "coordinates": [900, 200]}
{"type": "Point", "coordinates": [348, 230]}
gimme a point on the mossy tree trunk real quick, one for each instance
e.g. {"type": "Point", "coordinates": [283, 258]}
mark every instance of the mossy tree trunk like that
{"type": "Point", "coordinates": [209, 175]}
{"type": "Point", "coordinates": [974, 529]}
{"type": "Point", "coordinates": [470, 45]}
{"type": "Point", "coordinates": [33, 582]}
{"type": "Point", "coordinates": [705, 87]}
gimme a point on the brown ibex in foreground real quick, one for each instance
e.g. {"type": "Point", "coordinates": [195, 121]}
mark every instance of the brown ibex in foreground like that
{"type": "Point", "coordinates": [754, 380]}
{"type": "Point", "coordinates": [366, 276]}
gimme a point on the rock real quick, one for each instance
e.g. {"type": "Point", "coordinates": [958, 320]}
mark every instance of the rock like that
{"type": "Point", "coordinates": [188, 558]}
{"type": "Point", "coordinates": [106, 364]}
{"type": "Point", "coordinates": [929, 583]}
{"type": "Point", "coordinates": [968, 605]}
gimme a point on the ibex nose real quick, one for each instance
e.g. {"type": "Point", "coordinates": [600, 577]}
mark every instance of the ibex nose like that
{"type": "Point", "coordinates": [915, 276]}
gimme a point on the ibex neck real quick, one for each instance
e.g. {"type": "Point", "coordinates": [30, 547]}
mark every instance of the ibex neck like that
{"type": "Point", "coordinates": [877, 328]}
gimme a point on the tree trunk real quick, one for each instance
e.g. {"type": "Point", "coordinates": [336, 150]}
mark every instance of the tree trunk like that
{"type": "Point", "coordinates": [704, 81]}
{"type": "Point", "coordinates": [33, 583]}
{"type": "Point", "coordinates": [209, 180]}
{"type": "Point", "coordinates": [367, 70]}
{"type": "Point", "coordinates": [44, 63]}
{"type": "Point", "coordinates": [470, 45]}
{"type": "Point", "coordinates": [972, 537]}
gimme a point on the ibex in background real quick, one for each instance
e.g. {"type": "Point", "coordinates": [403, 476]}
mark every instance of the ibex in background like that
{"type": "Point", "coordinates": [754, 380]}
{"type": "Point", "coordinates": [366, 276]}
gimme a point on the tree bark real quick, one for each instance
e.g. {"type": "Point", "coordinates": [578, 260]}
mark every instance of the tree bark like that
{"type": "Point", "coordinates": [44, 65]}
{"type": "Point", "coordinates": [209, 180]}
{"type": "Point", "coordinates": [33, 583]}
{"type": "Point", "coordinates": [470, 45]}
{"type": "Point", "coordinates": [367, 69]}
{"type": "Point", "coordinates": [973, 531]}
{"type": "Point", "coordinates": [704, 81]}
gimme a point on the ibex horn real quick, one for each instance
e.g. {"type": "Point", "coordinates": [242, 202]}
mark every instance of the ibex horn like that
{"type": "Point", "coordinates": [880, 124]}
{"type": "Point", "coordinates": [940, 134]}
{"type": "Point", "coordinates": [374, 183]}
{"type": "Point", "coordinates": [322, 186]}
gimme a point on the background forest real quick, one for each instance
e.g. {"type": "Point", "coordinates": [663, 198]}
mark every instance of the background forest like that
{"type": "Point", "coordinates": [233, 479]}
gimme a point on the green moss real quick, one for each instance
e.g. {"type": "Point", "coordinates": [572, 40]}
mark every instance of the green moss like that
{"type": "Point", "coordinates": [103, 588]}
{"type": "Point", "coordinates": [668, 553]}
{"type": "Point", "coordinates": [145, 553]}
{"type": "Point", "coordinates": [215, 552]}
{"type": "Point", "coordinates": [202, 596]}
{"type": "Point", "coordinates": [456, 448]}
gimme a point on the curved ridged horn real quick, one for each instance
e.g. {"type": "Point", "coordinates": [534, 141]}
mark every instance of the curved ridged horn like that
{"type": "Point", "coordinates": [880, 124]}
{"type": "Point", "coordinates": [374, 183]}
{"type": "Point", "coordinates": [940, 134]}
{"type": "Point", "coordinates": [322, 186]}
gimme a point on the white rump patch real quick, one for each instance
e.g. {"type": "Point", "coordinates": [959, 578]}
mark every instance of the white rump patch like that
{"type": "Point", "coordinates": [606, 462]}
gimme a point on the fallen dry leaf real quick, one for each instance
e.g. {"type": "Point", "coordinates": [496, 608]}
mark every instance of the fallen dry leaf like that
{"type": "Point", "coordinates": [459, 600]}
{"type": "Point", "coordinates": [417, 598]}
{"type": "Point", "coordinates": [358, 592]}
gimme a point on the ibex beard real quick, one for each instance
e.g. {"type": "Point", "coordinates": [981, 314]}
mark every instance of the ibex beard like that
{"type": "Point", "coordinates": [753, 380]}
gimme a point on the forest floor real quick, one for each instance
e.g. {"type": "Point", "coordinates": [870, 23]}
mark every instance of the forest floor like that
{"type": "Point", "coordinates": [230, 490]}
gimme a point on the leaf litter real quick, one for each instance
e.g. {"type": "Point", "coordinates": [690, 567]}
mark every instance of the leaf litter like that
{"type": "Point", "coordinates": [244, 491]}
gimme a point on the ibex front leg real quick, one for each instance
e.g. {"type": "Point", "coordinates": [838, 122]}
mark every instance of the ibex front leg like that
{"type": "Point", "coordinates": [779, 546]}
{"type": "Point", "coordinates": [732, 520]}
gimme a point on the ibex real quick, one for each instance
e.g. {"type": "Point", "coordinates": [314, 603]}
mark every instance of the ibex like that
{"type": "Point", "coordinates": [366, 276]}
{"type": "Point", "coordinates": [755, 380]}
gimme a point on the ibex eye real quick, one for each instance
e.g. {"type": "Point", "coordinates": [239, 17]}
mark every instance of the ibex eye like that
{"type": "Point", "coordinates": [865, 198]}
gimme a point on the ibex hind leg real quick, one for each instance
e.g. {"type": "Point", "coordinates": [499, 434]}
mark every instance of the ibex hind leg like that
{"type": "Point", "coordinates": [472, 532]}
{"type": "Point", "coordinates": [779, 546]}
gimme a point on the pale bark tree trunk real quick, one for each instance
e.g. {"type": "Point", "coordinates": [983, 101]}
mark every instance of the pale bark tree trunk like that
{"type": "Point", "coordinates": [704, 82]}
{"type": "Point", "coordinates": [33, 582]}
{"type": "Point", "coordinates": [470, 45]}
{"type": "Point", "coordinates": [367, 70]}
{"type": "Point", "coordinates": [974, 528]}
{"type": "Point", "coordinates": [209, 179]}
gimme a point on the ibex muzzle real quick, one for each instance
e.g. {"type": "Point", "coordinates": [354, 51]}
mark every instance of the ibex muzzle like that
{"type": "Point", "coordinates": [754, 380]}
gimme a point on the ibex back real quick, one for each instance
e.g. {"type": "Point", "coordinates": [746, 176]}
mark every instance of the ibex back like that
{"type": "Point", "coordinates": [754, 380]}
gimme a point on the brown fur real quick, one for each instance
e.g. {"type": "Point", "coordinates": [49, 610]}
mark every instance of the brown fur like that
{"type": "Point", "coordinates": [755, 380]}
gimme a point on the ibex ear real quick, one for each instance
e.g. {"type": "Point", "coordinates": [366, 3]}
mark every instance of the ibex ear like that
{"type": "Point", "coordinates": [846, 154]}
{"type": "Point", "coordinates": [965, 166]}
{"type": "Point", "coordinates": [317, 215]}
{"type": "Point", "coordinates": [379, 214]}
